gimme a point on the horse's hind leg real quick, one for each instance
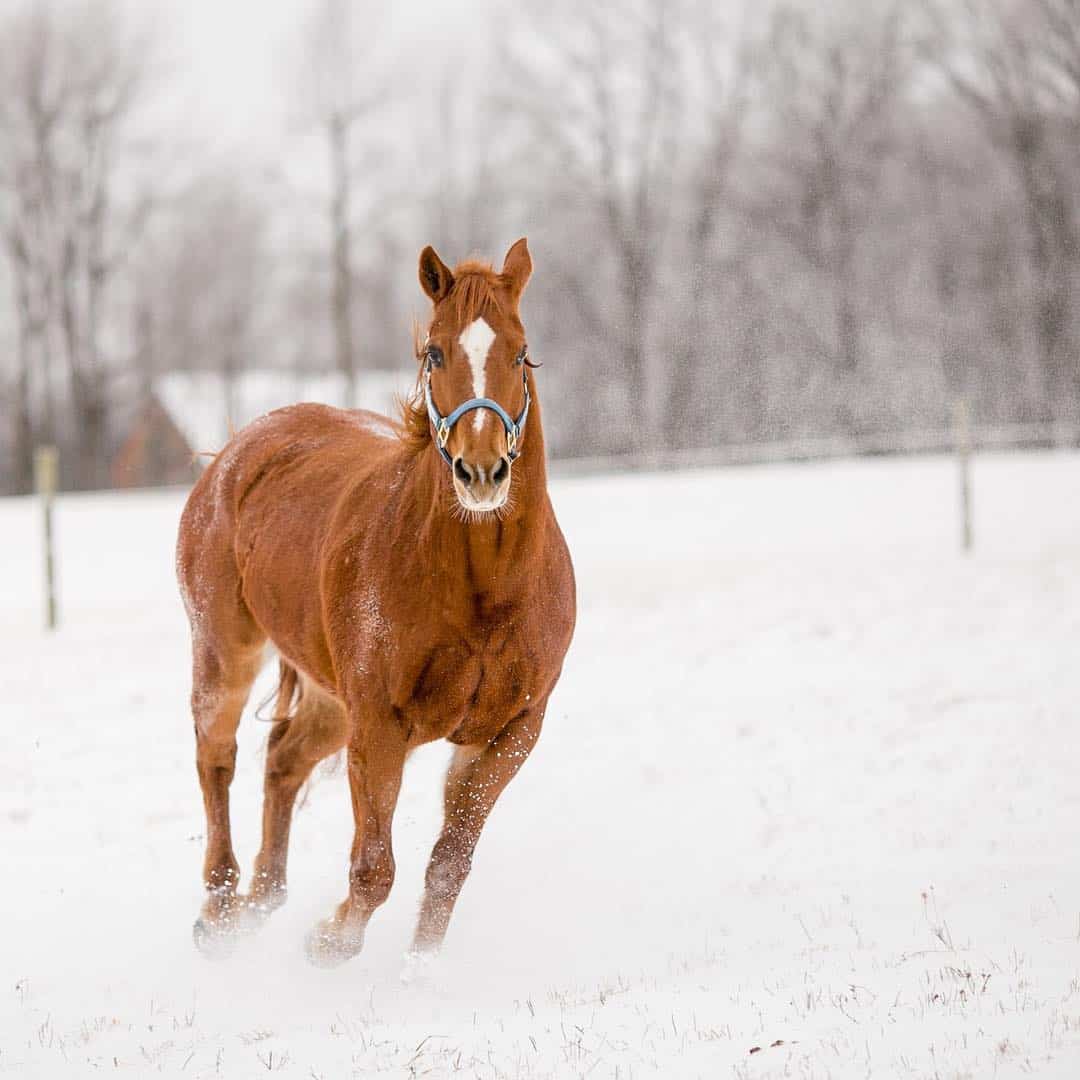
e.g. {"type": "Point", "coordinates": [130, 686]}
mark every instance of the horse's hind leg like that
{"type": "Point", "coordinates": [226, 647]}
{"type": "Point", "coordinates": [297, 744]}
{"type": "Point", "coordinates": [221, 682]}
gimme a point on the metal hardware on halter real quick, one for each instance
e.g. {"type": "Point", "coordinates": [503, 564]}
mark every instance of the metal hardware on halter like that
{"type": "Point", "coordinates": [443, 425]}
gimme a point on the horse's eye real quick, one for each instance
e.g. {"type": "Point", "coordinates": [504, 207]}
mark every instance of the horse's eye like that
{"type": "Point", "coordinates": [522, 356]}
{"type": "Point", "coordinates": [434, 356]}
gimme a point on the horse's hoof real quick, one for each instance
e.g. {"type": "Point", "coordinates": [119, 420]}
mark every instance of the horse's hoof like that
{"type": "Point", "coordinates": [327, 947]}
{"type": "Point", "coordinates": [263, 904]}
{"type": "Point", "coordinates": [267, 894]}
{"type": "Point", "coordinates": [250, 912]}
{"type": "Point", "coordinates": [213, 940]}
{"type": "Point", "coordinates": [417, 970]}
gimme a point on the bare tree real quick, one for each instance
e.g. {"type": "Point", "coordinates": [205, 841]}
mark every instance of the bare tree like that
{"type": "Point", "coordinates": [29, 330]}
{"type": "Point", "coordinates": [205, 301]}
{"type": "Point", "coordinates": [70, 225]}
{"type": "Point", "coordinates": [712, 257]}
{"type": "Point", "coordinates": [1017, 66]}
{"type": "Point", "coordinates": [832, 84]}
{"type": "Point", "coordinates": [30, 110]}
{"type": "Point", "coordinates": [462, 164]}
{"type": "Point", "coordinates": [600, 87]}
{"type": "Point", "coordinates": [340, 92]}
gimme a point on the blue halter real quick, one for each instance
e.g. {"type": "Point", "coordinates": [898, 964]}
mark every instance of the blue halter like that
{"type": "Point", "coordinates": [443, 425]}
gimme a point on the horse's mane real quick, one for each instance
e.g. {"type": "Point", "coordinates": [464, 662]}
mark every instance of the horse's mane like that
{"type": "Point", "coordinates": [475, 289]}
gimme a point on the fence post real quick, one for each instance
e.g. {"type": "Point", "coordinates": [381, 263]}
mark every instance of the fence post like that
{"type": "Point", "coordinates": [962, 442]}
{"type": "Point", "coordinates": [46, 468]}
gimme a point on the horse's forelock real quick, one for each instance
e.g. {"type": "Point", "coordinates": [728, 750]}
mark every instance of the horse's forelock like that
{"type": "Point", "coordinates": [475, 291]}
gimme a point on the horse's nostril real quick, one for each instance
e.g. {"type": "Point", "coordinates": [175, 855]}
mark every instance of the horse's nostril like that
{"type": "Point", "coordinates": [463, 472]}
{"type": "Point", "coordinates": [501, 471]}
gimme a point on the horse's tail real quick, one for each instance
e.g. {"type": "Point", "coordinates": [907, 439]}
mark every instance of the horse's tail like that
{"type": "Point", "coordinates": [288, 692]}
{"type": "Point", "coordinates": [286, 696]}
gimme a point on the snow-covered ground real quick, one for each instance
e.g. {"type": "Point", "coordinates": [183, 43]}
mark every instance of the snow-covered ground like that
{"type": "Point", "coordinates": [807, 804]}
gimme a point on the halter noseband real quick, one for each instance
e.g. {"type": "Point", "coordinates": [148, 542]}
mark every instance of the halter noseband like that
{"type": "Point", "coordinates": [443, 425]}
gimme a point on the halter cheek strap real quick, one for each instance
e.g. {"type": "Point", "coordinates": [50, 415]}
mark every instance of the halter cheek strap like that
{"type": "Point", "coordinates": [443, 425]}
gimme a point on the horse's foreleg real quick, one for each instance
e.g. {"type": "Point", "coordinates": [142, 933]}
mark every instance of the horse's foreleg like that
{"type": "Point", "coordinates": [476, 778]}
{"type": "Point", "coordinates": [219, 692]}
{"type": "Point", "coordinates": [376, 757]}
{"type": "Point", "coordinates": [296, 746]}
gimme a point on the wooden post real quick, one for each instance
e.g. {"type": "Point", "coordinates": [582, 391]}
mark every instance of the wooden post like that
{"type": "Point", "coordinates": [46, 470]}
{"type": "Point", "coordinates": [962, 440]}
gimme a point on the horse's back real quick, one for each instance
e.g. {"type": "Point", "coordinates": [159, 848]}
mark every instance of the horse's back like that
{"type": "Point", "coordinates": [303, 453]}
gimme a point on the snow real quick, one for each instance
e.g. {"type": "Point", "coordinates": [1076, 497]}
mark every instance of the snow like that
{"type": "Point", "coordinates": [806, 804]}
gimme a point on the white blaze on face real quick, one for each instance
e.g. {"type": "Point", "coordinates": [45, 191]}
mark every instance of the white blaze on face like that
{"type": "Point", "coordinates": [476, 340]}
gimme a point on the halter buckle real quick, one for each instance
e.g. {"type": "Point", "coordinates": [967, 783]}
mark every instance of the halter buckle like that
{"type": "Point", "coordinates": [442, 432]}
{"type": "Point", "coordinates": [511, 440]}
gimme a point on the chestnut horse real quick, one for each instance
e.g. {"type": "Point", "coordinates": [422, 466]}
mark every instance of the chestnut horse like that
{"type": "Point", "coordinates": [416, 585]}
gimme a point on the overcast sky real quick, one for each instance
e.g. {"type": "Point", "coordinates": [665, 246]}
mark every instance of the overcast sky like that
{"type": "Point", "coordinates": [230, 63]}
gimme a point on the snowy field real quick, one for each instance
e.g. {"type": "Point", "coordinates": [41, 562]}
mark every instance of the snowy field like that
{"type": "Point", "coordinates": [807, 804]}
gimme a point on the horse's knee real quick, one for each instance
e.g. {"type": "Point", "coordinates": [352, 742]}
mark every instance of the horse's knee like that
{"type": "Point", "coordinates": [325, 723]}
{"type": "Point", "coordinates": [282, 758]}
{"type": "Point", "coordinates": [292, 754]}
{"type": "Point", "coordinates": [215, 754]}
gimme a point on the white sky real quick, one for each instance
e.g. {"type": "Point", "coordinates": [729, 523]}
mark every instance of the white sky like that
{"type": "Point", "coordinates": [229, 63]}
{"type": "Point", "coordinates": [224, 55]}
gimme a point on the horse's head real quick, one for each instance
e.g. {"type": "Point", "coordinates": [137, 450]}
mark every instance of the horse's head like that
{"type": "Point", "coordinates": [474, 371]}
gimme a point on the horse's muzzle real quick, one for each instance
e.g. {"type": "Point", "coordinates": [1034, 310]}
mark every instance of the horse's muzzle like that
{"type": "Point", "coordinates": [482, 486]}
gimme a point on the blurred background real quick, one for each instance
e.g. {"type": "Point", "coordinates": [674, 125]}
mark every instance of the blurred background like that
{"type": "Point", "coordinates": [760, 229]}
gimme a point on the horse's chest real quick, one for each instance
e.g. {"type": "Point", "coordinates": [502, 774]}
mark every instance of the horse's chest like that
{"type": "Point", "coordinates": [467, 691]}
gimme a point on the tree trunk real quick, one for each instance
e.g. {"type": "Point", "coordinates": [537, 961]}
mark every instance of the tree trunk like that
{"type": "Point", "coordinates": [341, 300]}
{"type": "Point", "coordinates": [22, 434]}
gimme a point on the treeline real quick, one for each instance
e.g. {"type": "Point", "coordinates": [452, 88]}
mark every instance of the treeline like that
{"type": "Point", "coordinates": [778, 224]}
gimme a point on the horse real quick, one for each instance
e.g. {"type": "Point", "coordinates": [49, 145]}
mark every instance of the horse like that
{"type": "Point", "coordinates": [413, 579]}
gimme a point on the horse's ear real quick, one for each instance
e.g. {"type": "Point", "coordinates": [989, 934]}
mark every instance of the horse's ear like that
{"type": "Point", "coordinates": [517, 267]}
{"type": "Point", "coordinates": [435, 276]}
